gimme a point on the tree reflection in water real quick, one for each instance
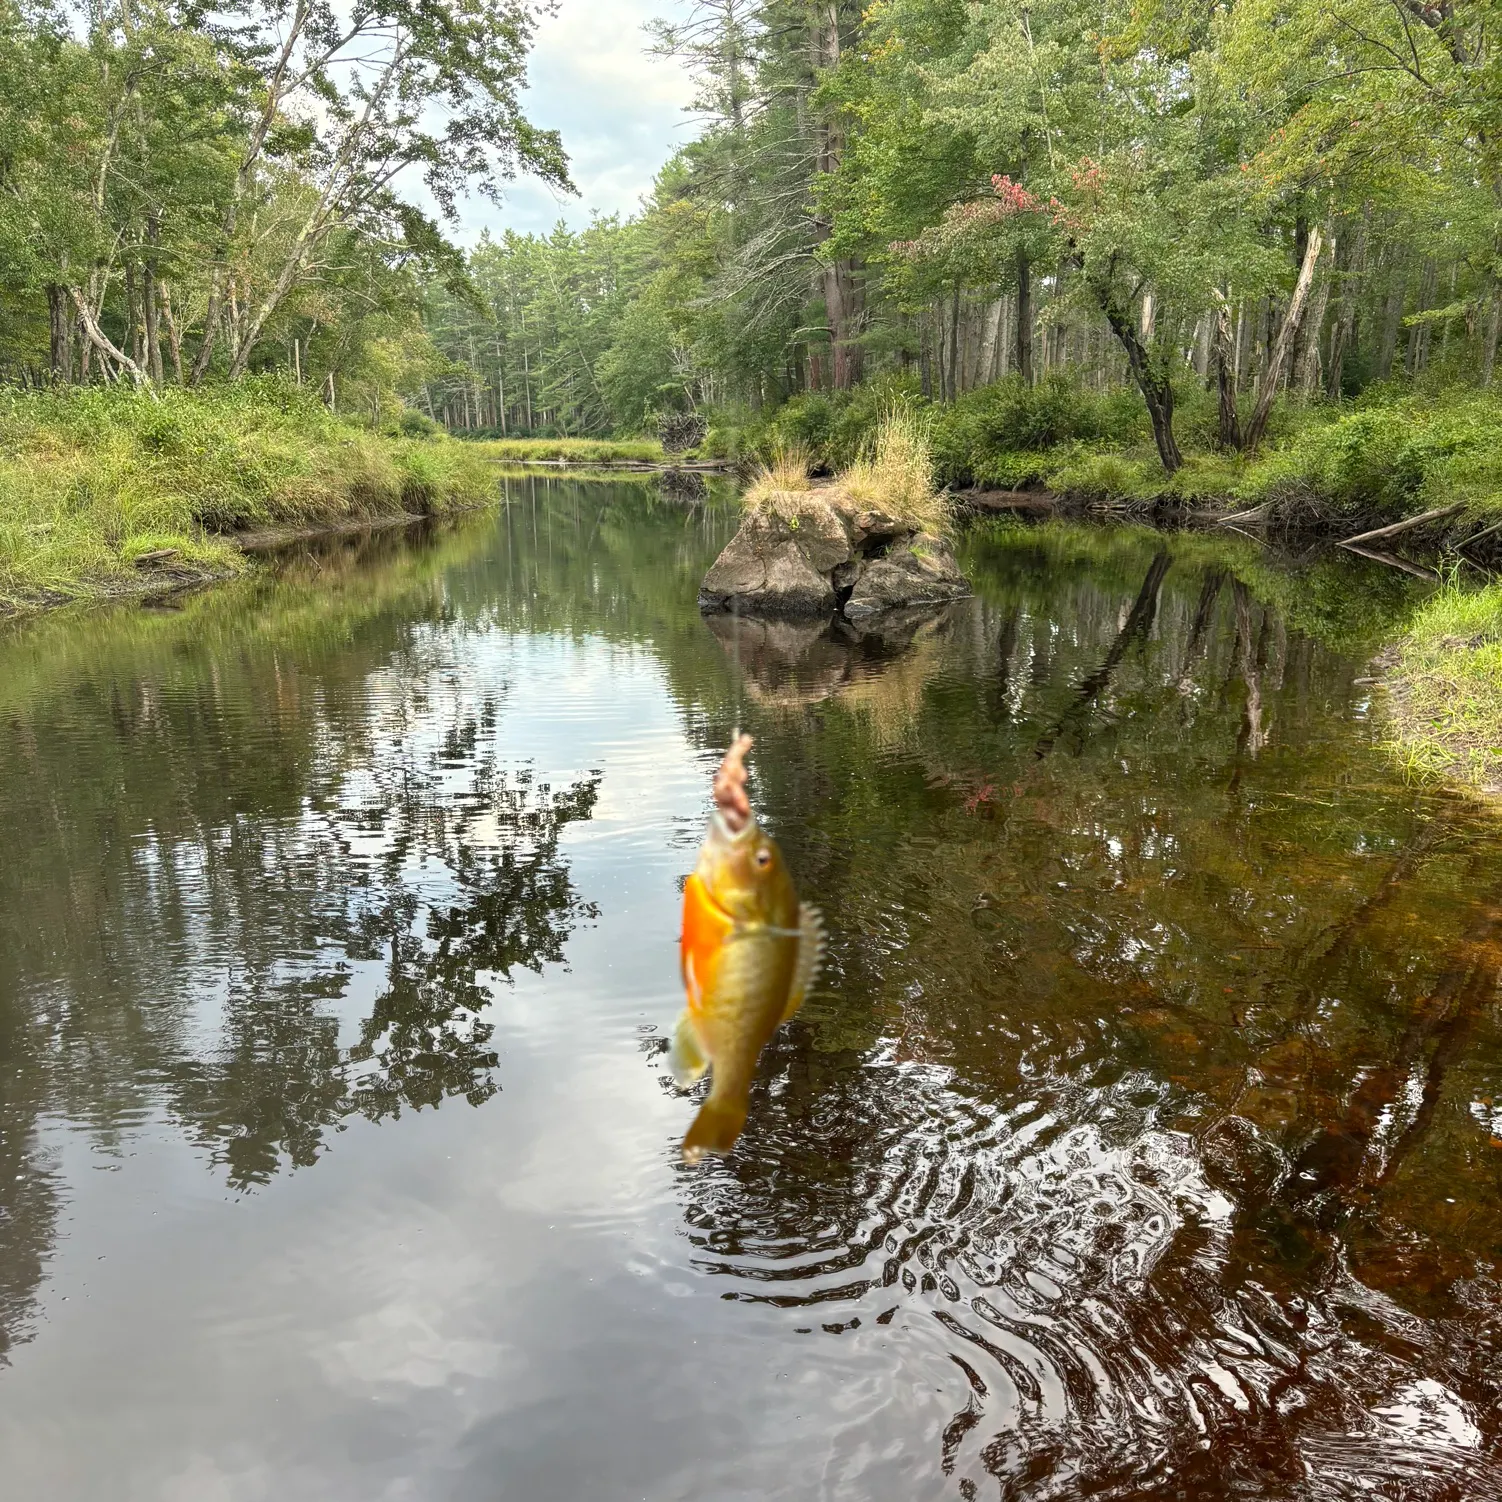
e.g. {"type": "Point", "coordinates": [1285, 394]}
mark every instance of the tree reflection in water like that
{"type": "Point", "coordinates": [1142, 1091]}
{"type": "Point", "coordinates": [266, 867]}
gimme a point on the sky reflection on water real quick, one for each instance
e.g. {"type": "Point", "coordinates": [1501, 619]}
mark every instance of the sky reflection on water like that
{"type": "Point", "coordinates": [1142, 1137]}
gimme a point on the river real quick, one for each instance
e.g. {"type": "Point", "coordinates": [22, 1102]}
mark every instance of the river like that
{"type": "Point", "coordinates": [1143, 1138]}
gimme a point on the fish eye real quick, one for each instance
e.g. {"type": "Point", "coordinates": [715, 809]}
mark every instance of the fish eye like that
{"type": "Point", "coordinates": [763, 857]}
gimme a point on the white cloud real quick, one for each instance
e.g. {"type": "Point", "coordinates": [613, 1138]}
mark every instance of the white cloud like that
{"type": "Point", "coordinates": [620, 112]}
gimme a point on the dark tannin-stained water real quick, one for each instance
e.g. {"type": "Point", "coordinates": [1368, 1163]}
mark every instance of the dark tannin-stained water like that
{"type": "Point", "coordinates": [1142, 1140]}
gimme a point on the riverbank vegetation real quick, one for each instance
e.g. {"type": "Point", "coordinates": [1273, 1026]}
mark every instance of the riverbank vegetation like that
{"type": "Point", "coordinates": [109, 490]}
{"type": "Point", "coordinates": [1134, 254]}
{"type": "Point", "coordinates": [1445, 689]}
{"type": "Point", "coordinates": [574, 450]}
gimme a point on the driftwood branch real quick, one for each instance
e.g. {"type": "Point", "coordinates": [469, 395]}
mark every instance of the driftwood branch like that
{"type": "Point", "coordinates": [1393, 561]}
{"type": "Point", "coordinates": [1404, 526]}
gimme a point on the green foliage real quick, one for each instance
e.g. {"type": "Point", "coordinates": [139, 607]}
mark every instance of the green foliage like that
{"type": "Point", "coordinates": [976, 436]}
{"type": "Point", "coordinates": [1391, 457]}
{"type": "Point", "coordinates": [93, 477]}
{"type": "Point", "coordinates": [1445, 689]}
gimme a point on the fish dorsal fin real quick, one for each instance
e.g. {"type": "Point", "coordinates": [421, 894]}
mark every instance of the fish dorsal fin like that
{"type": "Point", "coordinates": [810, 957]}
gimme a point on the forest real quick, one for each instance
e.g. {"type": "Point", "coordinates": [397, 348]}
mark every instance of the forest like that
{"type": "Point", "coordinates": [1115, 249]}
{"type": "Point", "coordinates": [1241, 200]}
{"type": "Point", "coordinates": [1249, 198]}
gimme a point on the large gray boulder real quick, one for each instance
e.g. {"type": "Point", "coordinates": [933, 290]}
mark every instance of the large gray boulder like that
{"type": "Point", "coordinates": [821, 551]}
{"type": "Point", "coordinates": [919, 569]}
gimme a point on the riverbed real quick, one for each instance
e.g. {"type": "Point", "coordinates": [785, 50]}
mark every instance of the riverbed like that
{"type": "Point", "coordinates": [1143, 1137]}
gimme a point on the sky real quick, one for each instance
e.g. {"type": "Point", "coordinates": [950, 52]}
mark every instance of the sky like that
{"type": "Point", "coordinates": [620, 112]}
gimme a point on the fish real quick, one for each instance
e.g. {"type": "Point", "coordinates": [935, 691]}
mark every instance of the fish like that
{"type": "Point", "coordinates": [750, 952]}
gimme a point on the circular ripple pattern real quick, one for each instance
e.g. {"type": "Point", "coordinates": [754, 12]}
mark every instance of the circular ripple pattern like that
{"type": "Point", "coordinates": [1084, 1287]}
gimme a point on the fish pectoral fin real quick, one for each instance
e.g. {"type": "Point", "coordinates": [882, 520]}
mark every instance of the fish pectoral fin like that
{"type": "Point", "coordinates": [810, 957]}
{"type": "Point", "coordinates": [686, 1058]}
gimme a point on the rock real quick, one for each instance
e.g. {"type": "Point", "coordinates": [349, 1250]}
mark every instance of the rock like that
{"type": "Point", "coordinates": [919, 570]}
{"type": "Point", "coordinates": [778, 565]}
{"type": "Point", "coordinates": [829, 551]}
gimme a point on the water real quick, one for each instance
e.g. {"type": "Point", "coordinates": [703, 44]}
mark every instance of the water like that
{"type": "Point", "coordinates": [1144, 1138]}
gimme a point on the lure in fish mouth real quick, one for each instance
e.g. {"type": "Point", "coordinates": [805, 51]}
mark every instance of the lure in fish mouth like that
{"type": "Point", "coordinates": [750, 952]}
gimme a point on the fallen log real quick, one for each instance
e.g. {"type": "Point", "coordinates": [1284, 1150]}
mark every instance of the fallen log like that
{"type": "Point", "coordinates": [1007, 500]}
{"type": "Point", "coordinates": [1393, 561]}
{"type": "Point", "coordinates": [1403, 526]}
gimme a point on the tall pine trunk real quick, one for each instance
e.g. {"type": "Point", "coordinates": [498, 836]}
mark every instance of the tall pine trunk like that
{"type": "Point", "coordinates": [1024, 352]}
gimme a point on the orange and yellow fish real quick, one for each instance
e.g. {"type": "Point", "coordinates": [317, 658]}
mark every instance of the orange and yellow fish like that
{"type": "Point", "coordinates": [750, 951]}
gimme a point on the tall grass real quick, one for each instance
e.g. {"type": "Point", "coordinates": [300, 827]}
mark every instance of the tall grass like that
{"type": "Point", "coordinates": [570, 450]}
{"type": "Point", "coordinates": [895, 472]}
{"type": "Point", "coordinates": [91, 479]}
{"type": "Point", "coordinates": [779, 481]}
{"type": "Point", "coordinates": [1445, 701]}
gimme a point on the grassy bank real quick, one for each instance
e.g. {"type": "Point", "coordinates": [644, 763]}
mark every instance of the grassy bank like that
{"type": "Point", "coordinates": [93, 482]}
{"type": "Point", "coordinates": [1329, 467]}
{"type": "Point", "coordinates": [570, 450]}
{"type": "Point", "coordinates": [1444, 680]}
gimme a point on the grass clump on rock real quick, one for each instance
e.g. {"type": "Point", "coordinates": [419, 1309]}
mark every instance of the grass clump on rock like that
{"type": "Point", "coordinates": [780, 483]}
{"type": "Point", "coordinates": [895, 473]}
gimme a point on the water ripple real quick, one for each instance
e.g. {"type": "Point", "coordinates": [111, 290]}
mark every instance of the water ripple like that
{"type": "Point", "coordinates": [1081, 1286]}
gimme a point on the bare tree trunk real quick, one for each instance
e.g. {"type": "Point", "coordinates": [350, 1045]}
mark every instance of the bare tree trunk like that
{"type": "Point", "coordinates": [133, 339]}
{"type": "Point", "coordinates": [60, 333]}
{"type": "Point", "coordinates": [990, 340]}
{"type": "Point", "coordinates": [1204, 336]}
{"type": "Point", "coordinates": [151, 314]}
{"type": "Point", "coordinates": [1309, 362]}
{"type": "Point", "coordinates": [1024, 319]}
{"type": "Point", "coordinates": [1229, 435]}
{"type": "Point", "coordinates": [101, 341]}
{"type": "Point", "coordinates": [174, 340]}
{"type": "Point", "coordinates": [1286, 335]}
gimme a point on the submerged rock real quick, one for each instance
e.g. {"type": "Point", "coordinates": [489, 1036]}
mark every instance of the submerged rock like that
{"type": "Point", "coordinates": [824, 551]}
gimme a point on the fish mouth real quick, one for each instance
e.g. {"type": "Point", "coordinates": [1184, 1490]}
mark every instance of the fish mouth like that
{"type": "Point", "coordinates": [719, 825]}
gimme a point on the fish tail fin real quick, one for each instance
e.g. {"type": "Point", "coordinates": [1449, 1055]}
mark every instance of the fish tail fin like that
{"type": "Point", "coordinates": [715, 1128]}
{"type": "Point", "coordinates": [686, 1058]}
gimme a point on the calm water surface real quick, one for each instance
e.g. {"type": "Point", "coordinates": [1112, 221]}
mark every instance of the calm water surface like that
{"type": "Point", "coordinates": [1143, 1140]}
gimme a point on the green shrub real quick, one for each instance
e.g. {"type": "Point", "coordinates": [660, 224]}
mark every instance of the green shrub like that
{"type": "Point", "coordinates": [1391, 456]}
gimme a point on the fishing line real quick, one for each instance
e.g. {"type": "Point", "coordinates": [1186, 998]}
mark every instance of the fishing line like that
{"type": "Point", "coordinates": [735, 662]}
